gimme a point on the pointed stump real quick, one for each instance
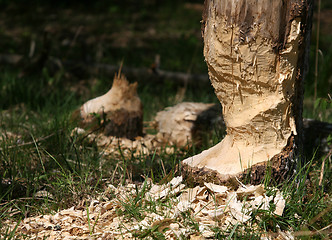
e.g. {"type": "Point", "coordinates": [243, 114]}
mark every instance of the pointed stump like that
{"type": "Point", "coordinates": [118, 113]}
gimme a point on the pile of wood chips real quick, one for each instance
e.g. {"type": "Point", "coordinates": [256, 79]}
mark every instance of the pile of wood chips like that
{"type": "Point", "coordinates": [139, 211]}
{"type": "Point", "coordinates": [110, 145]}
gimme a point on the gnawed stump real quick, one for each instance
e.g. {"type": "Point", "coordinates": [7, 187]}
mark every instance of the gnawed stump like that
{"type": "Point", "coordinates": [279, 167]}
{"type": "Point", "coordinates": [256, 54]}
{"type": "Point", "coordinates": [118, 113]}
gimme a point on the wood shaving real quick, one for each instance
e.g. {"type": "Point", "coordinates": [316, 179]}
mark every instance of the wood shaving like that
{"type": "Point", "coordinates": [208, 207]}
{"type": "Point", "coordinates": [110, 145]}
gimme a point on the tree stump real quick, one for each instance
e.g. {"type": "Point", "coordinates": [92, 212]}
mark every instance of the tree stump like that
{"type": "Point", "coordinates": [118, 113]}
{"type": "Point", "coordinates": [256, 53]}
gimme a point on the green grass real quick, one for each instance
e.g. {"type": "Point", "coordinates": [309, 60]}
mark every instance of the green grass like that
{"type": "Point", "coordinates": [46, 157]}
{"type": "Point", "coordinates": [43, 155]}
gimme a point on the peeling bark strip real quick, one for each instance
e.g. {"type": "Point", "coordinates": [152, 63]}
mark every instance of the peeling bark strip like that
{"type": "Point", "coordinates": [255, 52]}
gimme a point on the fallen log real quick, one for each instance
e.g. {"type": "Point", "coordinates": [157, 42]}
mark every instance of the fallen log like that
{"type": "Point", "coordinates": [156, 73]}
{"type": "Point", "coordinates": [111, 70]}
{"type": "Point", "coordinates": [186, 123]}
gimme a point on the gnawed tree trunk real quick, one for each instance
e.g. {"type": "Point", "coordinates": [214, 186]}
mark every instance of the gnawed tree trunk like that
{"type": "Point", "coordinates": [255, 52]}
{"type": "Point", "coordinates": [118, 113]}
{"type": "Point", "coordinates": [190, 123]}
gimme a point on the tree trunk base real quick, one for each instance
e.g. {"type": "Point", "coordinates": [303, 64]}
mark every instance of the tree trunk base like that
{"type": "Point", "coordinates": [277, 169]}
{"type": "Point", "coordinates": [255, 52]}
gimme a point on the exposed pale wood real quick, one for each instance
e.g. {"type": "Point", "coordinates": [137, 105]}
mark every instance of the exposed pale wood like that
{"type": "Point", "coordinates": [119, 112]}
{"type": "Point", "coordinates": [255, 52]}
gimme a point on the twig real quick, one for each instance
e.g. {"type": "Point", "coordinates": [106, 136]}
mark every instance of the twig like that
{"type": "Point", "coordinates": [157, 73]}
{"type": "Point", "coordinates": [32, 48]}
{"type": "Point", "coordinates": [164, 170]}
{"type": "Point", "coordinates": [322, 213]}
{"type": "Point", "coordinates": [317, 45]}
{"type": "Point", "coordinates": [244, 186]}
{"type": "Point", "coordinates": [325, 230]}
{"type": "Point", "coordinates": [77, 33]}
{"type": "Point", "coordinates": [39, 156]}
{"type": "Point", "coordinates": [30, 143]}
{"type": "Point", "coordinates": [322, 168]}
{"type": "Point", "coordinates": [75, 162]}
{"type": "Point", "coordinates": [27, 198]}
{"type": "Point", "coordinates": [113, 175]}
{"type": "Point", "coordinates": [107, 69]}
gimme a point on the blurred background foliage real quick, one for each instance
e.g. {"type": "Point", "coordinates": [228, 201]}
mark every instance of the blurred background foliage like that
{"type": "Point", "coordinates": [75, 34]}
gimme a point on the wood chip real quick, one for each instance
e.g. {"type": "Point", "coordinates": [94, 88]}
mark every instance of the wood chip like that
{"type": "Point", "coordinates": [211, 206]}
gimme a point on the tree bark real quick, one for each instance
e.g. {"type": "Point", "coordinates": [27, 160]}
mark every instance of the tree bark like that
{"type": "Point", "coordinates": [256, 53]}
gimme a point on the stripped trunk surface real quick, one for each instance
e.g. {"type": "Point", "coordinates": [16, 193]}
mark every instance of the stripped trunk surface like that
{"type": "Point", "coordinates": [256, 53]}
